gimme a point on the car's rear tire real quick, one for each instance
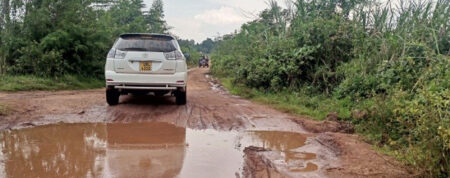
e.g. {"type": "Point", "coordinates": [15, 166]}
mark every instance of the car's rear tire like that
{"type": "Point", "coordinates": [181, 97]}
{"type": "Point", "coordinates": [112, 96]}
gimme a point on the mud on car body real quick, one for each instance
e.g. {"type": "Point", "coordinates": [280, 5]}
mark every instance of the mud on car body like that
{"type": "Point", "coordinates": [146, 63]}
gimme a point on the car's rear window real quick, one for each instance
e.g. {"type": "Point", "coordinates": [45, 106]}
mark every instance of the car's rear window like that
{"type": "Point", "coordinates": [145, 43]}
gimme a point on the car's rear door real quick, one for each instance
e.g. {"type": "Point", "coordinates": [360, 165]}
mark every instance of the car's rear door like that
{"type": "Point", "coordinates": [138, 53]}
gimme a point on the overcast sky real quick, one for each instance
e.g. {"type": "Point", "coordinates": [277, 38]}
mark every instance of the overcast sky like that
{"type": "Point", "coordinates": [199, 19]}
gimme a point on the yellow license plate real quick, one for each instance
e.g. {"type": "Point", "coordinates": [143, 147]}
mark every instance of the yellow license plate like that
{"type": "Point", "coordinates": [145, 66]}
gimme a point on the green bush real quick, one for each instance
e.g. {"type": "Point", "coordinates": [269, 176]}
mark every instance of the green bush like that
{"type": "Point", "coordinates": [425, 122]}
{"type": "Point", "coordinates": [53, 38]}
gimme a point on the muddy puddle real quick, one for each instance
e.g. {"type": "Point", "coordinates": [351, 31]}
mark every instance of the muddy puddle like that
{"type": "Point", "coordinates": [154, 149]}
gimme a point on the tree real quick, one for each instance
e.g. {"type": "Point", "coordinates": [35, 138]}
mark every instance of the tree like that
{"type": "Point", "coordinates": [155, 18]}
{"type": "Point", "coordinates": [206, 46]}
{"type": "Point", "coordinates": [54, 37]}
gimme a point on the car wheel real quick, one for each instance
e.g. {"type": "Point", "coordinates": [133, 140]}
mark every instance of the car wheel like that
{"type": "Point", "coordinates": [112, 96]}
{"type": "Point", "coordinates": [180, 97]}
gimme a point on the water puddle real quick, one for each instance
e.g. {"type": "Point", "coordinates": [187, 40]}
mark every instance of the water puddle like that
{"type": "Point", "coordinates": [286, 143]}
{"type": "Point", "coordinates": [139, 150]}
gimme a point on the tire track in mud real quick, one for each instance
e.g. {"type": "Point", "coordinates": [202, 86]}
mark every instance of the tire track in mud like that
{"type": "Point", "coordinates": [210, 107]}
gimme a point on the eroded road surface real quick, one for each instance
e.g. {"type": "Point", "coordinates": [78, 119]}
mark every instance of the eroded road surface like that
{"type": "Point", "coordinates": [75, 134]}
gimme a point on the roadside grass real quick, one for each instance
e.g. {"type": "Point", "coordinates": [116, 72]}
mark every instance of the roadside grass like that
{"type": "Point", "coordinates": [298, 103]}
{"type": "Point", "coordinates": [318, 106]}
{"type": "Point", "coordinates": [28, 82]}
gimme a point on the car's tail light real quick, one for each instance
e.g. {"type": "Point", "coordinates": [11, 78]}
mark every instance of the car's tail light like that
{"type": "Point", "coordinates": [120, 54]}
{"type": "Point", "coordinates": [175, 55]}
{"type": "Point", "coordinates": [112, 53]}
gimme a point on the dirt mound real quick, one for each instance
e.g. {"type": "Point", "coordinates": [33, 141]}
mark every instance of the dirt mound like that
{"type": "Point", "coordinates": [324, 126]}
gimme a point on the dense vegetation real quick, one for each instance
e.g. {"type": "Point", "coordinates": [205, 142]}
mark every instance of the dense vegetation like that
{"type": "Point", "coordinates": [195, 50]}
{"type": "Point", "coordinates": [190, 49]}
{"type": "Point", "coordinates": [382, 67]}
{"type": "Point", "coordinates": [206, 46]}
{"type": "Point", "coordinates": [54, 39]}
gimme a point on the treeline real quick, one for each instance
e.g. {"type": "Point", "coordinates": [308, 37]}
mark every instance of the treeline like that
{"type": "Point", "coordinates": [206, 46]}
{"type": "Point", "coordinates": [190, 49]}
{"type": "Point", "coordinates": [195, 50]}
{"type": "Point", "coordinates": [386, 64]}
{"type": "Point", "coordinates": [58, 37]}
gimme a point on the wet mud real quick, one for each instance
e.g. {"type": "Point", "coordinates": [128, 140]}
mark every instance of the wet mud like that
{"type": "Point", "coordinates": [75, 134]}
{"type": "Point", "coordinates": [151, 149]}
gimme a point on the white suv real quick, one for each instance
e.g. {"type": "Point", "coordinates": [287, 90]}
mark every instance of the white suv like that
{"type": "Point", "coordinates": [145, 63]}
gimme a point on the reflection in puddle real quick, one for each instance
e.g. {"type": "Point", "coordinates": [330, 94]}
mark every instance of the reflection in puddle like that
{"type": "Point", "coordinates": [144, 150]}
{"type": "Point", "coordinates": [138, 150]}
{"type": "Point", "coordinates": [212, 154]}
{"type": "Point", "coordinates": [309, 167]}
{"type": "Point", "coordinates": [53, 151]}
{"type": "Point", "coordinates": [277, 140]}
{"type": "Point", "coordinates": [285, 142]}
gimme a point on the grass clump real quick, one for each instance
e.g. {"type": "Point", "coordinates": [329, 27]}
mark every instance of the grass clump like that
{"type": "Point", "coordinates": [294, 102]}
{"type": "Point", "coordinates": [29, 82]}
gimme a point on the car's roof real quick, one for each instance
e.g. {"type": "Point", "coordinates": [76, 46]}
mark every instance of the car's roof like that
{"type": "Point", "coordinates": [146, 34]}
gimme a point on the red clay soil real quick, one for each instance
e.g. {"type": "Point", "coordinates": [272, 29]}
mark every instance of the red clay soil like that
{"type": "Point", "coordinates": [210, 107]}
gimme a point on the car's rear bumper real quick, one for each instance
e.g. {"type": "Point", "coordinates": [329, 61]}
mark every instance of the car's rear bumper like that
{"type": "Point", "coordinates": [146, 81]}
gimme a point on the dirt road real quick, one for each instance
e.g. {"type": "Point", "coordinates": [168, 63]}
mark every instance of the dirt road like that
{"type": "Point", "coordinates": [75, 134]}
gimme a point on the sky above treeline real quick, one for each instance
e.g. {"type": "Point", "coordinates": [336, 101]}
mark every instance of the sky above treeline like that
{"type": "Point", "coordinates": [201, 19]}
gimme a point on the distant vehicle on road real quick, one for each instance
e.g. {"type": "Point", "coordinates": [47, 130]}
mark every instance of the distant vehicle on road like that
{"type": "Point", "coordinates": [203, 62]}
{"type": "Point", "coordinates": [146, 63]}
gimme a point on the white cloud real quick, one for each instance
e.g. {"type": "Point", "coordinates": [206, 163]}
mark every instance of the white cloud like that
{"type": "Point", "coordinates": [249, 6]}
{"type": "Point", "coordinates": [221, 16]}
{"type": "Point", "coordinates": [186, 29]}
{"type": "Point", "coordinates": [200, 19]}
